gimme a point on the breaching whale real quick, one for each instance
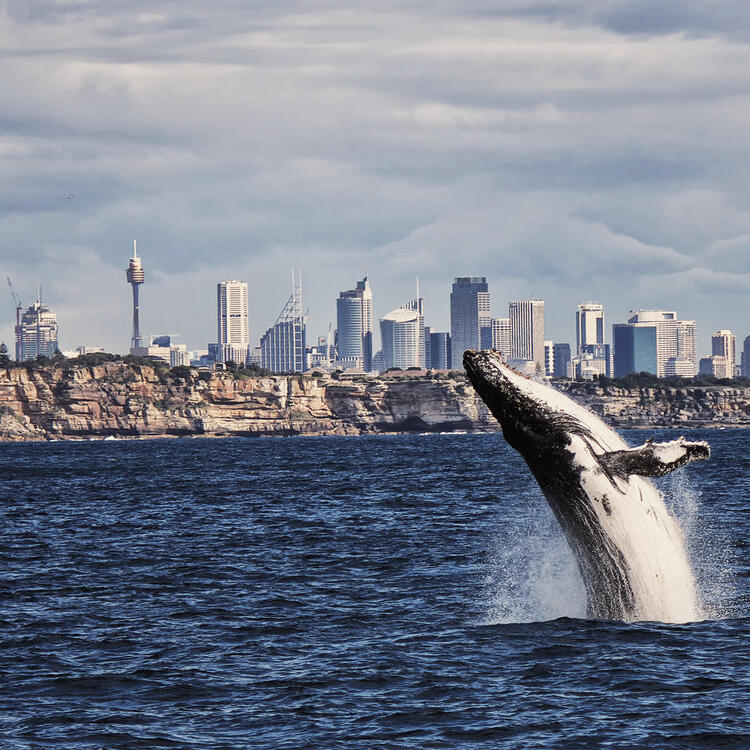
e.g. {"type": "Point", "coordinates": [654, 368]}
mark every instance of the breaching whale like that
{"type": "Point", "coordinates": [630, 550]}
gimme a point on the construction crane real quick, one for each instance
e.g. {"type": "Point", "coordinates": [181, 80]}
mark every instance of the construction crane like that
{"type": "Point", "coordinates": [19, 307]}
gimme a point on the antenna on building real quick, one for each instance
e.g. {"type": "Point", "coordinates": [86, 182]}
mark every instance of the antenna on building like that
{"type": "Point", "coordinates": [135, 251]}
{"type": "Point", "coordinates": [417, 286]}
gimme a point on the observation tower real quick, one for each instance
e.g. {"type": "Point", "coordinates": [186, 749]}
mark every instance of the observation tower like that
{"type": "Point", "coordinates": [134, 274]}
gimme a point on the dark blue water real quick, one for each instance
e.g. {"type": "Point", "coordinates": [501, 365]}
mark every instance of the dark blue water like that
{"type": "Point", "coordinates": [391, 592]}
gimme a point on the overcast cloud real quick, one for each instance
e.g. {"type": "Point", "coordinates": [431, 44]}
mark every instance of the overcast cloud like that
{"type": "Point", "coordinates": [567, 150]}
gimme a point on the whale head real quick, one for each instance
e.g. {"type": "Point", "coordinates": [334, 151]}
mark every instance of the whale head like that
{"type": "Point", "coordinates": [531, 420]}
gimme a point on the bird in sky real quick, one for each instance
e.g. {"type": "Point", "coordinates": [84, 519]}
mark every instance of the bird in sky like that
{"type": "Point", "coordinates": [69, 196]}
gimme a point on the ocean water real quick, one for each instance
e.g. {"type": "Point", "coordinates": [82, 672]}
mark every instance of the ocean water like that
{"type": "Point", "coordinates": [374, 592]}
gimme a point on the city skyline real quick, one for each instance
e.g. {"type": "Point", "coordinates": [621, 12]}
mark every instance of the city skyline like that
{"type": "Point", "coordinates": [491, 322]}
{"type": "Point", "coordinates": [563, 151]}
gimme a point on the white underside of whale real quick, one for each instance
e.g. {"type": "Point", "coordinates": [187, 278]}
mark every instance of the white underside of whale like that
{"type": "Point", "coordinates": [635, 518]}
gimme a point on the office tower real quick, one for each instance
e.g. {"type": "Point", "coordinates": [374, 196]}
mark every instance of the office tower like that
{"type": "Point", "coordinates": [746, 358]}
{"type": "Point", "coordinates": [37, 333]}
{"type": "Point", "coordinates": [440, 350]}
{"type": "Point", "coordinates": [283, 346]}
{"type": "Point", "coordinates": [470, 312]}
{"type": "Point", "coordinates": [399, 333]}
{"type": "Point", "coordinates": [723, 344]}
{"type": "Point", "coordinates": [589, 325]}
{"type": "Point", "coordinates": [354, 327]}
{"type": "Point", "coordinates": [135, 276]}
{"type": "Point", "coordinates": [561, 355]}
{"type": "Point", "coordinates": [527, 332]}
{"type": "Point", "coordinates": [635, 348]}
{"type": "Point", "coordinates": [233, 321]}
{"type": "Point", "coordinates": [549, 358]}
{"type": "Point", "coordinates": [428, 347]}
{"type": "Point", "coordinates": [715, 366]}
{"type": "Point", "coordinates": [417, 305]}
{"type": "Point", "coordinates": [500, 336]}
{"type": "Point", "coordinates": [675, 340]}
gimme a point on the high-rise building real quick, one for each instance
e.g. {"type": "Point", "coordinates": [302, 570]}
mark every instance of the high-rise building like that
{"type": "Point", "coordinates": [233, 321]}
{"type": "Point", "coordinates": [417, 305]}
{"type": "Point", "coordinates": [440, 350]}
{"type": "Point", "coordinates": [354, 327]}
{"type": "Point", "coordinates": [589, 325]}
{"type": "Point", "coordinates": [635, 348]}
{"type": "Point", "coordinates": [135, 276]}
{"type": "Point", "coordinates": [723, 344]}
{"type": "Point", "coordinates": [37, 334]}
{"type": "Point", "coordinates": [399, 333]}
{"type": "Point", "coordinates": [675, 340]}
{"type": "Point", "coordinates": [470, 313]}
{"type": "Point", "coordinates": [527, 332]}
{"type": "Point", "coordinates": [746, 358]}
{"type": "Point", "coordinates": [715, 366]}
{"type": "Point", "coordinates": [549, 358]}
{"type": "Point", "coordinates": [283, 346]}
{"type": "Point", "coordinates": [561, 355]}
{"type": "Point", "coordinates": [500, 340]}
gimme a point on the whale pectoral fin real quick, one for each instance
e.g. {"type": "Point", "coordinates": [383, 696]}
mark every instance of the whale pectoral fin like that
{"type": "Point", "coordinates": [654, 459]}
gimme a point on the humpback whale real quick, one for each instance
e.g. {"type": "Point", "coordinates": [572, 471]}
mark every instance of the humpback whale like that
{"type": "Point", "coordinates": [629, 549]}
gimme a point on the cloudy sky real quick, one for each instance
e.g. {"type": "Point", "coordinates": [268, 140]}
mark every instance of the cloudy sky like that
{"type": "Point", "coordinates": [568, 149]}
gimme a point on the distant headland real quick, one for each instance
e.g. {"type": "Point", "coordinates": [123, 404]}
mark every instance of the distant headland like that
{"type": "Point", "coordinates": [98, 396]}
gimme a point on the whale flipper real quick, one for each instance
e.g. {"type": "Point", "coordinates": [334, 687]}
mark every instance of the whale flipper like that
{"type": "Point", "coordinates": [654, 459]}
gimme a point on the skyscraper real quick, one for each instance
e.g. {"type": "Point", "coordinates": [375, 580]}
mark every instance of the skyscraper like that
{"type": "Point", "coordinates": [746, 358]}
{"type": "Point", "coordinates": [135, 276]}
{"type": "Point", "coordinates": [417, 305]}
{"type": "Point", "coordinates": [470, 312]}
{"type": "Point", "coordinates": [589, 325]}
{"type": "Point", "coordinates": [233, 321]}
{"type": "Point", "coordinates": [723, 344]}
{"type": "Point", "coordinates": [675, 340]}
{"type": "Point", "coordinates": [561, 358]}
{"type": "Point", "coordinates": [354, 327]}
{"type": "Point", "coordinates": [527, 332]}
{"type": "Point", "coordinates": [283, 346]}
{"type": "Point", "coordinates": [399, 333]}
{"type": "Point", "coordinates": [500, 338]}
{"type": "Point", "coordinates": [635, 348]}
{"type": "Point", "coordinates": [440, 350]}
{"type": "Point", "coordinates": [37, 333]}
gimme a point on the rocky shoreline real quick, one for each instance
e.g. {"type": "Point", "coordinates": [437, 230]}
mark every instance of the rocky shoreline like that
{"type": "Point", "coordinates": [123, 400]}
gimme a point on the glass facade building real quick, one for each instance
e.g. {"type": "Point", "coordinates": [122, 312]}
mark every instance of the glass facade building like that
{"type": "Point", "coordinates": [635, 348]}
{"type": "Point", "coordinates": [470, 312]}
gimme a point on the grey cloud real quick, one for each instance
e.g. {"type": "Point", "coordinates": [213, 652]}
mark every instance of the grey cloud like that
{"type": "Point", "coordinates": [553, 146]}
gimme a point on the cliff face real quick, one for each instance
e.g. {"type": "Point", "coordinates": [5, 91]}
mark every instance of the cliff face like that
{"type": "Point", "coordinates": [139, 401]}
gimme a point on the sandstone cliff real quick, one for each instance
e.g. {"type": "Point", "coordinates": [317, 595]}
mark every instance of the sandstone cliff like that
{"type": "Point", "coordinates": [124, 400]}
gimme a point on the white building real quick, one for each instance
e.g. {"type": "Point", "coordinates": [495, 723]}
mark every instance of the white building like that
{"type": "Point", "coordinates": [417, 306]}
{"type": "Point", "coordinates": [724, 344]}
{"type": "Point", "coordinates": [674, 338]}
{"type": "Point", "coordinates": [589, 325]}
{"type": "Point", "coordinates": [399, 332]}
{"type": "Point", "coordinates": [37, 333]}
{"type": "Point", "coordinates": [354, 327]}
{"type": "Point", "coordinates": [233, 321]}
{"type": "Point", "coordinates": [501, 335]}
{"type": "Point", "coordinates": [527, 331]}
{"type": "Point", "coordinates": [549, 358]}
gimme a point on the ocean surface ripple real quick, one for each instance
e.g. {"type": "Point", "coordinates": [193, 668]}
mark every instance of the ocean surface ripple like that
{"type": "Point", "coordinates": [375, 592]}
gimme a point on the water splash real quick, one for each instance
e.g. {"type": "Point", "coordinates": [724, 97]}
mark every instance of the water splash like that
{"type": "Point", "coordinates": [532, 574]}
{"type": "Point", "coordinates": [709, 557]}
